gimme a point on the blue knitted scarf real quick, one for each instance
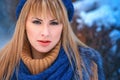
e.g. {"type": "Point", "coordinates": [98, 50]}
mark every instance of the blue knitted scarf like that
{"type": "Point", "coordinates": [60, 70]}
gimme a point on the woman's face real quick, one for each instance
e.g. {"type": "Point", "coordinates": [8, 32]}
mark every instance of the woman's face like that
{"type": "Point", "coordinates": [43, 32]}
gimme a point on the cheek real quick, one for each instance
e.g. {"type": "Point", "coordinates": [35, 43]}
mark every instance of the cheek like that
{"type": "Point", "coordinates": [31, 34]}
{"type": "Point", "coordinates": [57, 33]}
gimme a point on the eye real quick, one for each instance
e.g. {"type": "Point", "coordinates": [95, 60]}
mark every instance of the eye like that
{"type": "Point", "coordinates": [54, 23]}
{"type": "Point", "coordinates": [36, 22]}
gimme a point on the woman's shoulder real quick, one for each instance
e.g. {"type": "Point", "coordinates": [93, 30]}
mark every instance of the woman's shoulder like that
{"type": "Point", "coordinates": [91, 55]}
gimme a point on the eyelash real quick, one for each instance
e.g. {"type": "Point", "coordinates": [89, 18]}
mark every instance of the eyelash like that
{"type": "Point", "coordinates": [51, 23]}
{"type": "Point", "coordinates": [36, 22]}
{"type": "Point", "coordinates": [54, 23]}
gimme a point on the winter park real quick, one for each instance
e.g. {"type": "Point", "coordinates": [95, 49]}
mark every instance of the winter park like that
{"type": "Point", "coordinates": [95, 22]}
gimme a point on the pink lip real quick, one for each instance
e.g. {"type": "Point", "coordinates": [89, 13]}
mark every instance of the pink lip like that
{"type": "Point", "coordinates": [44, 42]}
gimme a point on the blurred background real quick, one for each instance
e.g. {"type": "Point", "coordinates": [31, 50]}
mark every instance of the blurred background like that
{"type": "Point", "coordinates": [95, 22]}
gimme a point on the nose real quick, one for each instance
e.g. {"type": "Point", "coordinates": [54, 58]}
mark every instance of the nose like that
{"type": "Point", "coordinates": [45, 31]}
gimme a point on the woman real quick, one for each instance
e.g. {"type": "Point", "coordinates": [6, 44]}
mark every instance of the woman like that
{"type": "Point", "coordinates": [44, 47]}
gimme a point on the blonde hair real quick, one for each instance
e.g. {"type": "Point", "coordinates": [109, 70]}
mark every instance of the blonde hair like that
{"type": "Point", "coordinates": [10, 54]}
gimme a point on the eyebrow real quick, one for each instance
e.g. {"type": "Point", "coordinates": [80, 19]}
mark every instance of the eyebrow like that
{"type": "Point", "coordinates": [42, 20]}
{"type": "Point", "coordinates": [54, 20]}
{"type": "Point", "coordinates": [38, 19]}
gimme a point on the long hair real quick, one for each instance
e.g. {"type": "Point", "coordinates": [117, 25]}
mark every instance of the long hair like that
{"type": "Point", "coordinates": [10, 54]}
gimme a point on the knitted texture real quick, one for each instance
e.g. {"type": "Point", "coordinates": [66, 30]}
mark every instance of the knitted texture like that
{"type": "Point", "coordinates": [38, 65]}
{"type": "Point", "coordinates": [68, 4]}
{"type": "Point", "coordinates": [61, 69]}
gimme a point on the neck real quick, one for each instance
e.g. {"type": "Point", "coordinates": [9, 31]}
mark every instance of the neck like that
{"type": "Point", "coordinates": [37, 55]}
{"type": "Point", "coordinates": [38, 62]}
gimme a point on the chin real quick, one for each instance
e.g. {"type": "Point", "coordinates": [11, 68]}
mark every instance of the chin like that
{"type": "Point", "coordinates": [44, 51]}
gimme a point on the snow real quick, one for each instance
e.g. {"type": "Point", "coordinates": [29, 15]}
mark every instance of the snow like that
{"type": "Point", "coordinates": [97, 12]}
{"type": "Point", "coordinates": [84, 5]}
{"type": "Point", "coordinates": [114, 35]}
{"type": "Point", "coordinates": [103, 16]}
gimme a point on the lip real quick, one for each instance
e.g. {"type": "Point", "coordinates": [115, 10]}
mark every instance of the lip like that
{"type": "Point", "coordinates": [44, 43]}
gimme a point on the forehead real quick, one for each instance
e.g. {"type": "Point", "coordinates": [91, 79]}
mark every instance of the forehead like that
{"type": "Point", "coordinates": [41, 7]}
{"type": "Point", "coordinates": [41, 16]}
{"type": "Point", "coordinates": [46, 8]}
